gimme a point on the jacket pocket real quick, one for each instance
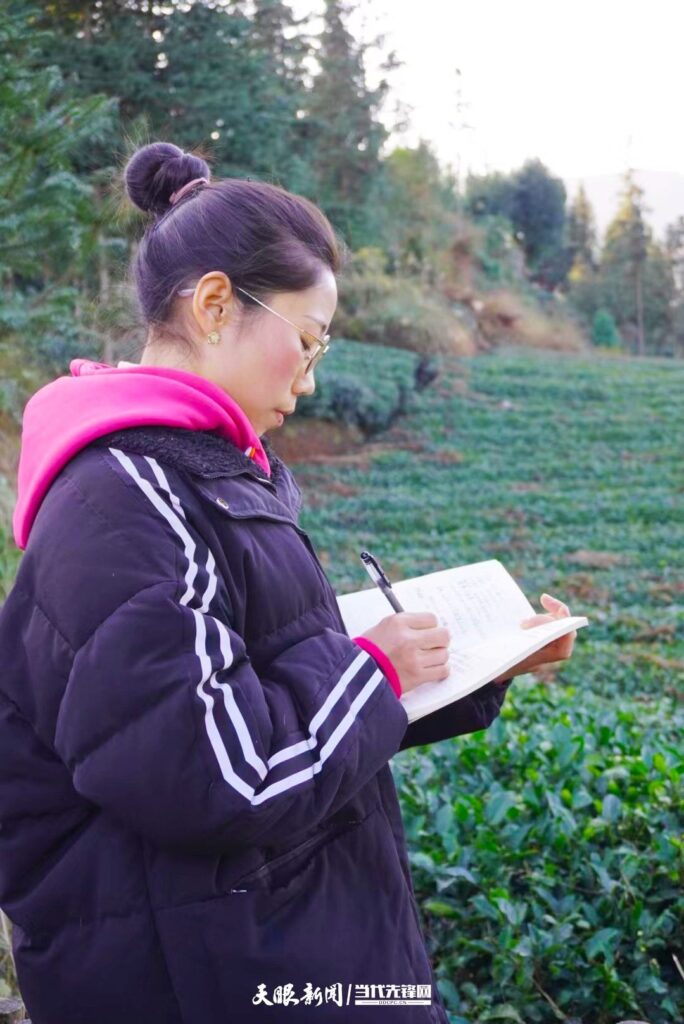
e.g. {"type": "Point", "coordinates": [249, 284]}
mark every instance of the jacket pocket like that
{"type": "Point", "coordinates": [279, 871]}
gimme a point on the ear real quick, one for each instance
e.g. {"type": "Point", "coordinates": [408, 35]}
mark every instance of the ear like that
{"type": "Point", "coordinates": [213, 300]}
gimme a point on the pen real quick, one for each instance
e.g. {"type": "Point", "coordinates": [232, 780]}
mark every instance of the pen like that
{"type": "Point", "coordinates": [374, 570]}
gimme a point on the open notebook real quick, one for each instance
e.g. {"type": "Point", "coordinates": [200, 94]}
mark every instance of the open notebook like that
{"type": "Point", "coordinates": [482, 606]}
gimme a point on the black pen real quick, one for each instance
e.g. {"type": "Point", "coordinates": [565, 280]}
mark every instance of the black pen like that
{"type": "Point", "coordinates": [374, 570]}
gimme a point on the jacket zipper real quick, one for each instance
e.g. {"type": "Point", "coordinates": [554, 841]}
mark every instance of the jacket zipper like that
{"type": "Point", "coordinates": [316, 840]}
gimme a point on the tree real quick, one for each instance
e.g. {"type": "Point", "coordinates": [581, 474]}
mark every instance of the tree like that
{"type": "Point", "coordinates": [205, 75]}
{"type": "Point", "coordinates": [604, 331]}
{"type": "Point", "coordinates": [624, 256]}
{"type": "Point", "coordinates": [420, 205]}
{"type": "Point", "coordinates": [581, 235]}
{"type": "Point", "coordinates": [109, 49]}
{"type": "Point", "coordinates": [538, 213]}
{"type": "Point", "coordinates": [284, 50]}
{"type": "Point", "coordinates": [533, 200]}
{"type": "Point", "coordinates": [208, 87]}
{"type": "Point", "coordinates": [48, 212]}
{"type": "Point", "coordinates": [345, 131]}
{"type": "Point", "coordinates": [489, 195]}
{"type": "Point", "coordinates": [674, 248]}
{"type": "Point", "coordinates": [635, 280]}
{"type": "Point", "coordinates": [658, 301]}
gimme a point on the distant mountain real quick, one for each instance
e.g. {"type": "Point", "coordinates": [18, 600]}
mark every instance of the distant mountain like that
{"type": "Point", "coordinates": [663, 195]}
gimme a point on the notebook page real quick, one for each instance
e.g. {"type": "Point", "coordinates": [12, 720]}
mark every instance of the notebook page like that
{"type": "Point", "coordinates": [474, 602]}
{"type": "Point", "coordinates": [363, 610]}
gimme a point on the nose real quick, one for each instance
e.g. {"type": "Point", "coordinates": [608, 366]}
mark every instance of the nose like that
{"type": "Point", "coordinates": [306, 385]}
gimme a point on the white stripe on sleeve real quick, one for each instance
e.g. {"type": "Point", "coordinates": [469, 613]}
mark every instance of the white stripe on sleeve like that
{"type": "Point", "coordinates": [175, 516]}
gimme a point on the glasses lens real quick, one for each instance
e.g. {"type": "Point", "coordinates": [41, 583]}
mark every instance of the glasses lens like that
{"type": "Point", "coordinates": [321, 348]}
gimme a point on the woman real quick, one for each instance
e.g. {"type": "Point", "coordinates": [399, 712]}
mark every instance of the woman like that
{"type": "Point", "coordinates": [198, 819]}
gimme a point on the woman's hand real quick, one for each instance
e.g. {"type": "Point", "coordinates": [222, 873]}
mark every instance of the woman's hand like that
{"type": "Point", "coordinates": [415, 644]}
{"type": "Point", "coordinates": [557, 650]}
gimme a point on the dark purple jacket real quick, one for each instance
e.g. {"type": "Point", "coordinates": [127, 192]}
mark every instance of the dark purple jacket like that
{"type": "Point", "coordinates": [195, 795]}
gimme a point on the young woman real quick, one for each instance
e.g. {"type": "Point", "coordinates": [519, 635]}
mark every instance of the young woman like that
{"type": "Point", "coordinates": [197, 816]}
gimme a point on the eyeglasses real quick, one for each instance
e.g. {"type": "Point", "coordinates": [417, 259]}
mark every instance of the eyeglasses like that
{"type": "Point", "coordinates": [315, 347]}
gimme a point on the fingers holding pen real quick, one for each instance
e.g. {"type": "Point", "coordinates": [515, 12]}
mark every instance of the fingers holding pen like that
{"type": "Point", "coordinates": [437, 658]}
{"type": "Point", "coordinates": [415, 644]}
{"type": "Point", "coordinates": [414, 641]}
{"type": "Point", "coordinates": [432, 653]}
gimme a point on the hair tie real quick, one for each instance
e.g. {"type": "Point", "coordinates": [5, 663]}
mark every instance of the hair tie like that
{"type": "Point", "coordinates": [175, 196]}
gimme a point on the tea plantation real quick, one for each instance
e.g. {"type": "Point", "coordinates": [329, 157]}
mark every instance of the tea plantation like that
{"type": "Point", "coordinates": [547, 851]}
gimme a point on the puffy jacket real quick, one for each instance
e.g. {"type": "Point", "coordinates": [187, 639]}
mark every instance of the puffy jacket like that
{"type": "Point", "coordinates": [195, 795]}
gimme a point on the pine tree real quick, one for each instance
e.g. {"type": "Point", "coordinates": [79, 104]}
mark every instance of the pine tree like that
{"type": "Point", "coordinates": [284, 49]}
{"type": "Point", "coordinates": [207, 89]}
{"type": "Point", "coordinates": [674, 247]}
{"type": "Point", "coordinates": [224, 77]}
{"type": "Point", "coordinates": [625, 251]}
{"type": "Point", "coordinates": [635, 280]}
{"type": "Point", "coordinates": [581, 234]}
{"type": "Point", "coordinates": [346, 134]}
{"type": "Point", "coordinates": [107, 48]}
{"type": "Point", "coordinates": [604, 332]}
{"type": "Point", "coordinates": [48, 214]}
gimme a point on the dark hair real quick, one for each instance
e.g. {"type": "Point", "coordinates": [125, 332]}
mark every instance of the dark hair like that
{"type": "Point", "coordinates": [264, 238]}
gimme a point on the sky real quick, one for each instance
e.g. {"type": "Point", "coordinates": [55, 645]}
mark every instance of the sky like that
{"type": "Point", "coordinates": [589, 87]}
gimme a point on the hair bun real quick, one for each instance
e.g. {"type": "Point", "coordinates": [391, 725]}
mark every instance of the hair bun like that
{"type": "Point", "coordinates": [156, 171]}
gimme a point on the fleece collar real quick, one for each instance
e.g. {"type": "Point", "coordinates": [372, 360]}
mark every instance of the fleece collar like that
{"type": "Point", "coordinates": [198, 452]}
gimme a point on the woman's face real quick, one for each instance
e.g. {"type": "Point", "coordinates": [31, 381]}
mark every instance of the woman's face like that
{"type": "Point", "coordinates": [260, 360]}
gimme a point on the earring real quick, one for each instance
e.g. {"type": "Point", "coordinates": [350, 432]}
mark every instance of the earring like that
{"type": "Point", "coordinates": [213, 337]}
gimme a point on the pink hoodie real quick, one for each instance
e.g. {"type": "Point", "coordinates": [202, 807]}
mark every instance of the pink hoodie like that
{"type": "Point", "coordinates": [69, 413]}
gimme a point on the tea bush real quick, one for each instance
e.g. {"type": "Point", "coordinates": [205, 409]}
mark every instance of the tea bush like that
{"type": "Point", "coordinates": [357, 387]}
{"type": "Point", "coordinates": [547, 851]}
{"type": "Point", "coordinates": [549, 858]}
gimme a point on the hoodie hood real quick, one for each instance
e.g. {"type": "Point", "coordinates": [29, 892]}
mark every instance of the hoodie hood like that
{"type": "Point", "coordinates": [71, 412]}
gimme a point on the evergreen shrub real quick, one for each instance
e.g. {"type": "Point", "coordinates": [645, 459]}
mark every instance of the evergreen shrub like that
{"type": "Point", "coordinates": [355, 387]}
{"type": "Point", "coordinates": [604, 332]}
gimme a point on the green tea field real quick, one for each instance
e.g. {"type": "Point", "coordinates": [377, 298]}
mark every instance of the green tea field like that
{"type": "Point", "coordinates": [547, 851]}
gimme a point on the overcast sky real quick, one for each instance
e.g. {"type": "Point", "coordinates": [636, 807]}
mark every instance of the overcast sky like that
{"type": "Point", "coordinates": [589, 87]}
